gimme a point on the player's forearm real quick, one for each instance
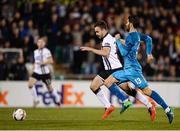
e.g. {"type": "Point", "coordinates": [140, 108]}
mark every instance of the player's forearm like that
{"type": "Point", "coordinates": [100, 52]}
{"type": "Point", "coordinates": [148, 40]}
{"type": "Point", "coordinates": [148, 45]}
{"type": "Point", "coordinates": [49, 61]}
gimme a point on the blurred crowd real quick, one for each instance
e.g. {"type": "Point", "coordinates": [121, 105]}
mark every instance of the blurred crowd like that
{"type": "Point", "coordinates": [68, 25]}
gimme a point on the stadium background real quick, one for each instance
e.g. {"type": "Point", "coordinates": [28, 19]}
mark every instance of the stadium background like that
{"type": "Point", "coordinates": [67, 25]}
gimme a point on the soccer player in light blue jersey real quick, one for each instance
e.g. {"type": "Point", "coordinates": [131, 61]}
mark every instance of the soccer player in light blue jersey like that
{"type": "Point", "coordinates": [132, 69]}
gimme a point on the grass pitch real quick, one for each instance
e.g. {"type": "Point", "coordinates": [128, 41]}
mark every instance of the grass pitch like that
{"type": "Point", "coordinates": [87, 119]}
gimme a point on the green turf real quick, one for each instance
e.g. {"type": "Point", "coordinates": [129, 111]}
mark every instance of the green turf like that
{"type": "Point", "coordinates": [87, 118]}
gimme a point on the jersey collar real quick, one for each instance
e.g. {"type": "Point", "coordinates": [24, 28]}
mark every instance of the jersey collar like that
{"type": "Point", "coordinates": [105, 35]}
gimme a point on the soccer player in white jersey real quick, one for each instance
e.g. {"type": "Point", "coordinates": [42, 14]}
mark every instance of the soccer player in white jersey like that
{"type": "Point", "coordinates": [41, 71]}
{"type": "Point", "coordinates": [111, 64]}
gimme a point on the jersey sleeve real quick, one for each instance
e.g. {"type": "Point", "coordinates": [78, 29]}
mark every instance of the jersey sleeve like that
{"type": "Point", "coordinates": [48, 54]}
{"type": "Point", "coordinates": [148, 40]}
{"type": "Point", "coordinates": [106, 43]}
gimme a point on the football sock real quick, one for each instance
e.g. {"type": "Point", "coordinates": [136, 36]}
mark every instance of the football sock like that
{"type": "Point", "coordinates": [159, 100]}
{"type": "Point", "coordinates": [56, 96]}
{"type": "Point", "coordinates": [102, 98]}
{"type": "Point", "coordinates": [143, 99]}
{"type": "Point", "coordinates": [167, 109]}
{"type": "Point", "coordinates": [53, 93]}
{"type": "Point", "coordinates": [114, 89]}
{"type": "Point", "coordinates": [34, 93]}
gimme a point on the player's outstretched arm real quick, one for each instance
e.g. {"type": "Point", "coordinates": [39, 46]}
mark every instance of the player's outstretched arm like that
{"type": "Point", "coordinates": [103, 52]}
{"type": "Point", "coordinates": [148, 40]}
{"type": "Point", "coordinates": [121, 48]}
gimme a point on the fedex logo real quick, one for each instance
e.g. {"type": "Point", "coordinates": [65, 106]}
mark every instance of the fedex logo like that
{"type": "Point", "coordinates": [3, 95]}
{"type": "Point", "coordinates": [64, 95]}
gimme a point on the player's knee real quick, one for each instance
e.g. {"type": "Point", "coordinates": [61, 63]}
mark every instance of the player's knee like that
{"type": "Point", "coordinates": [147, 91]}
{"type": "Point", "coordinates": [124, 87]}
{"type": "Point", "coordinates": [94, 87]}
{"type": "Point", "coordinates": [107, 83]}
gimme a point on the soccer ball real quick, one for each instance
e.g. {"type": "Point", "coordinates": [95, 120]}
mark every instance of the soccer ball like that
{"type": "Point", "coordinates": [19, 114]}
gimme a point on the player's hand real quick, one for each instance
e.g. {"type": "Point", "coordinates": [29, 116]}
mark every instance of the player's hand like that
{"type": "Point", "coordinates": [117, 36]}
{"type": "Point", "coordinates": [122, 42]}
{"type": "Point", "coordinates": [83, 48]}
{"type": "Point", "coordinates": [150, 58]}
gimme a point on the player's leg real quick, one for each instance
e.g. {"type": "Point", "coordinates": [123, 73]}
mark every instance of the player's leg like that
{"type": "Point", "coordinates": [114, 89]}
{"type": "Point", "coordinates": [135, 93]}
{"type": "Point", "coordinates": [32, 81]}
{"type": "Point", "coordinates": [156, 97]}
{"type": "Point", "coordinates": [54, 94]}
{"type": "Point", "coordinates": [96, 83]}
{"type": "Point", "coordinates": [47, 80]}
{"type": "Point", "coordinates": [127, 87]}
{"type": "Point", "coordinates": [139, 96]}
{"type": "Point", "coordinates": [140, 82]}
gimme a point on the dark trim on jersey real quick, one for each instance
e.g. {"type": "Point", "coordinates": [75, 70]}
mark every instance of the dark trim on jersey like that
{"type": "Point", "coordinates": [106, 46]}
{"type": "Point", "coordinates": [43, 69]}
{"type": "Point", "coordinates": [107, 63]}
{"type": "Point", "coordinates": [105, 35]}
{"type": "Point", "coordinates": [42, 66]}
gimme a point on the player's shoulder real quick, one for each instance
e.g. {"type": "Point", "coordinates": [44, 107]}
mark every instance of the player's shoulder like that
{"type": "Point", "coordinates": [46, 49]}
{"type": "Point", "coordinates": [133, 35]}
{"type": "Point", "coordinates": [108, 38]}
{"type": "Point", "coordinates": [35, 50]}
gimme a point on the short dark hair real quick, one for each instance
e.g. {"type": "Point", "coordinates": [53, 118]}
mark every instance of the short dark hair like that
{"type": "Point", "coordinates": [102, 24]}
{"type": "Point", "coordinates": [134, 20]}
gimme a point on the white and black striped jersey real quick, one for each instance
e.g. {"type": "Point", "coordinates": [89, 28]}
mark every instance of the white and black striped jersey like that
{"type": "Point", "coordinates": [41, 55]}
{"type": "Point", "coordinates": [111, 61]}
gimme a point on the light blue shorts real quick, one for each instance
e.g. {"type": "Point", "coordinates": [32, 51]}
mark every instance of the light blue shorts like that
{"type": "Point", "coordinates": [136, 77]}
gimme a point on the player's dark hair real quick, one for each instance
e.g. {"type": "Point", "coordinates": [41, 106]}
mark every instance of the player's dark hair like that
{"type": "Point", "coordinates": [102, 24]}
{"type": "Point", "coordinates": [134, 20]}
{"type": "Point", "coordinates": [43, 37]}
